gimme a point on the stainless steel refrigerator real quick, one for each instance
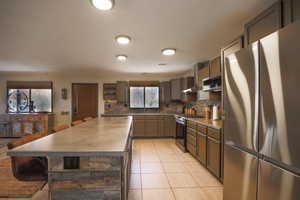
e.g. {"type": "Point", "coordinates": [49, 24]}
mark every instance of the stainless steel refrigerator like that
{"type": "Point", "coordinates": [262, 119]}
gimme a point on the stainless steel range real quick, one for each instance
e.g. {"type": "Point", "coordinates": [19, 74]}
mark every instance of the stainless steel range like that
{"type": "Point", "coordinates": [181, 132]}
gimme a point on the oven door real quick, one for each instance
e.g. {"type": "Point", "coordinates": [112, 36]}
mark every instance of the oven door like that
{"type": "Point", "coordinates": [181, 136]}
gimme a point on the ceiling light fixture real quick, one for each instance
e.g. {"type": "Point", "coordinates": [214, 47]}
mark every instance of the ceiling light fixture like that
{"type": "Point", "coordinates": [162, 64]}
{"type": "Point", "coordinates": [122, 57]}
{"type": "Point", "coordinates": [103, 4]}
{"type": "Point", "coordinates": [123, 39]}
{"type": "Point", "coordinates": [168, 51]}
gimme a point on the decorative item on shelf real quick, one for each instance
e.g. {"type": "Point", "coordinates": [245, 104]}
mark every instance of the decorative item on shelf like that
{"type": "Point", "coordinates": [64, 93]}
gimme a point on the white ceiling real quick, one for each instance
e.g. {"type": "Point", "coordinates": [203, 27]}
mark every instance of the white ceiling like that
{"type": "Point", "coordinates": [71, 35]}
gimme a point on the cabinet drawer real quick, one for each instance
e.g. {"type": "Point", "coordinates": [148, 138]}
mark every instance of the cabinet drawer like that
{"type": "Point", "coordinates": [154, 117]}
{"type": "Point", "coordinates": [192, 124]}
{"type": "Point", "coordinates": [191, 139]}
{"type": "Point", "coordinates": [138, 117]}
{"type": "Point", "coordinates": [214, 133]}
{"type": "Point", "coordinates": [201, 128]}
{"type": "Point", "coordinates": [191, 132]}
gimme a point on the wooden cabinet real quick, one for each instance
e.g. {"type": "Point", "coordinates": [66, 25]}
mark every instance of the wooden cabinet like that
{"type": "Point", "coordinates": [215, 67]}
{"type": "Point", "coordinates": [291, 11]}
{"type": "Point", "coordinates": [138, 127]}
{"type": "Point", "coordinates": [201, 148]}
{"type": "Point", "coordinates": [214, 156]}
{"type": "Point", "coordinates": [122, 90]}
{"type": "Point", "coordinates": [169, 126]}
{"type": "Point", "coordinates": [18, 125]}
{"type": "Point", "coordinates": [265, 23]}
{"type": "Point", "coordinates": [205, 144]}
{"type": "Point", "coordinates": [203, 73]}
{"type": "Point", "coordinates": [154, 126]}
{"type": "Point", "coordinates": [151, 127]}
{"type": "Point", "coordinates": [176, 89]}
{"type": "Point", "coordinates": [165, 92]}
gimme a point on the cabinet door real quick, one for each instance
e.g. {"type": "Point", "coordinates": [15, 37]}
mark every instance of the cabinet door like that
{"type": "Point", "coordinates": [265, 23]}
{"type": "Point", "coordinates": [203, 73]}
{"type": "Point", "coordinates": [170, 126]}
{"type": "Point", "coordinates": [291, 11]}
{"type": "Point", "coordinates": [214, 156]}
{"type": "Point", "coordinates": [201, 148]}
{"type": "Point", "coordinates": [122, 92]}
{"type": "Point", "coordinates": [138, 127]}
{"type": "Point", "coordinates": [165, 92]}
{"type": "Point", "coordinates": [151, 128]}
{"type": "Point", "coordinates": [215, 67]}
{"type": "Point", "coordinates": [161, 127]}
{"type": "Point", "coordinates": [176, 89]}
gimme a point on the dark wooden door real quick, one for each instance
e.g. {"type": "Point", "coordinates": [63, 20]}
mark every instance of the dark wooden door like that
{"type": "Point", "coordinates": [84, 100]}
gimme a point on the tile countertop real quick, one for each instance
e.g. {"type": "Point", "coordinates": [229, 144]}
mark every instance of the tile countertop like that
{"type": "Point", "coordinates": [103, 136]}
{"type": "Point", "coordinates": [217, 124]}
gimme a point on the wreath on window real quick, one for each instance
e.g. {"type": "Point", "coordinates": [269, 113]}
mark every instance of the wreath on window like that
{"type": "Point", "coordinates": [18, 101]}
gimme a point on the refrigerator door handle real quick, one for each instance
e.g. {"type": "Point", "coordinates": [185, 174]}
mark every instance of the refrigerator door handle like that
{"type": "Point", "coordinates": [255, 51]}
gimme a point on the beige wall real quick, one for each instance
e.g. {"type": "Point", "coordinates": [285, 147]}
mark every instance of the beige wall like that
{"type": "Point", "coordinates": [60, 81]}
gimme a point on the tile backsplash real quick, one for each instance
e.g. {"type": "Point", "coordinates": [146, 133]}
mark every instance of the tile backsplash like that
{"type": "Point", "coordinates": [112, 107]}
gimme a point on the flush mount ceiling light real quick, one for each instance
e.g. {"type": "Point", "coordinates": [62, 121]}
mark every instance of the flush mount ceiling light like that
{"type": "Point", "coordinates": [162, 64]}
{"type": "Point", "coordinates": [121, 57]}
{"type": "Point", "coordinates": [123, 39]}
{"type": "Point", "coordinates": [168, 51]}
{"type": "Point", "coordinates": [103, 4]}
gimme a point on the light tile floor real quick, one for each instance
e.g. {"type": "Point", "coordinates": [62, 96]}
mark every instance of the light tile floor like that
{"type": "Point", "coordinates": [161, 171]}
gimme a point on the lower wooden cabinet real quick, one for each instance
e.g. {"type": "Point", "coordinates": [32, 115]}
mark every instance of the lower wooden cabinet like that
{"type": "Point", "coordinates": [151, 128]}
{"type": "Point", "coordinates": [154, 126]}
{"type": "Point", "coordinates": [138, 127]}
{"type": "Point", "coordinates": [214, 156]}
{"type": "Point", "coordinates": [204, 143]}
{"type": "Point", "coordinates": [201, 148]}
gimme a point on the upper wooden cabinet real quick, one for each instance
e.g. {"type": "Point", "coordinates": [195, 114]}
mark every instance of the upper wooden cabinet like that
{"type": "Point", "coordinates": [176, 87]}
{"type": "Point", "coordinates": [291, 11]}
{"type": "Point", "coordinates": [122, 90]}
{"type": "Point", "coordinates": [265, 23]}
{"type": "Point", "coordinates": [165, 92]}
{"type": "Point", "coordinates": [215, 67]}
{"type": "Point", "coordinates": [203, 72]}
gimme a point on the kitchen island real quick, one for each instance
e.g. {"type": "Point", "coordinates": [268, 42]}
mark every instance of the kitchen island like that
{"type": "Point", "coordinates": [89, 161]}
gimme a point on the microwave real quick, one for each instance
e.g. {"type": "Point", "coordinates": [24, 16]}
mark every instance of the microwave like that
{"type": "Point", "coordinates": [212, 84]}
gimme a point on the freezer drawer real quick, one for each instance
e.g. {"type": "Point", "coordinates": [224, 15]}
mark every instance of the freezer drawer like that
{"type": "Point", "coordinates": [240, 175]}
{"type": "Point", "coordinates": [276, 183]}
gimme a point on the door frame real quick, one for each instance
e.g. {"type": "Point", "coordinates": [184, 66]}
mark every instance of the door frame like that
{"type": "Point", "coordinates": [72, 90]}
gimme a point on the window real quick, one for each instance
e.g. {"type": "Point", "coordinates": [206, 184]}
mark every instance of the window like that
{"type": "Point", "coordinates": [23, 97]}
{"type": "Point", "coordinates": [144, 97]}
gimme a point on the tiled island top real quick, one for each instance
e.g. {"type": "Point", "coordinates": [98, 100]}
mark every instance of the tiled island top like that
{"type": "Point", "coordinates": [107, 136]}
